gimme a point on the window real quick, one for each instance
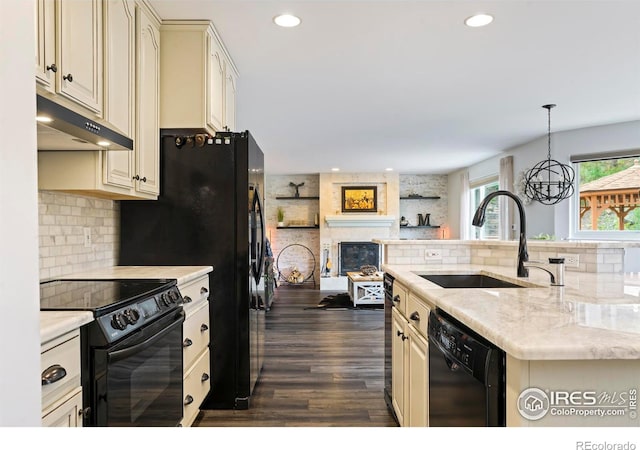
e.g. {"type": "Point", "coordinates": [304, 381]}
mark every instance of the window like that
{"type": "Point", "coordinates": [491, 227]}
{"type": "Point", "coordinates": [606, 203]}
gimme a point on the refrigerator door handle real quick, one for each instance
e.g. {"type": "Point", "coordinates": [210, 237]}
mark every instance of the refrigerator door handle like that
{"type": "Point", "coordinates": [257, 247]}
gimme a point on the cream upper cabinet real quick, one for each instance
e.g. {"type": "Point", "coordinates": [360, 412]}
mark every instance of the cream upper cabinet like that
{"type": "Point", "coordinates": [69, 50]}
{"type": "Point", "coordinates": [120, 70]}
{"type": "Point", "coordinates": [46, 65]}
{"type": "Point", "coordinates": [132, 52]}
{"type": "Point", "coordinates": [195, 69]}
{"type": "Point", "coordinates": [230, 98]}
{"type": "Point", "coordinates": [147, 143]}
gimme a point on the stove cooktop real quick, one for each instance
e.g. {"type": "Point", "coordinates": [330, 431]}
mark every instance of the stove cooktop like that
{"type": "Point", "coordinates": [98, 296]}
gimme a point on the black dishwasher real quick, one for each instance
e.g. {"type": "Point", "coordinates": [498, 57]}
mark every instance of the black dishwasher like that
{"type": "Point", "coordinates": [466, 376]}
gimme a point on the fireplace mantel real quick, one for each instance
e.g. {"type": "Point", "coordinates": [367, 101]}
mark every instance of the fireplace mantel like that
{"type": "Point", "coordinates": [359, 220]}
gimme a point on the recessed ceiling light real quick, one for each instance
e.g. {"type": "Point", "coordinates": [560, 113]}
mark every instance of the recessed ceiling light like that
{"type": "Point", "coordinates": [478, 20]}
{"type": "Point", "coordinates": [287, 20]}
{"type": "Point", "coordinates": [335, 169]}
{"type": "Point", "coordinates": [389, 169]}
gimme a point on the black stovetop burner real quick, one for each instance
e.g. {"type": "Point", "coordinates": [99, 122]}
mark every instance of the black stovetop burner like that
{"type": "Point", "coordinates": [98, 296]}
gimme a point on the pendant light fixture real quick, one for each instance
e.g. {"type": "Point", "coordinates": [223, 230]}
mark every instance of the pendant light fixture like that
{"type": "Point", "coordinates": [549, 182]}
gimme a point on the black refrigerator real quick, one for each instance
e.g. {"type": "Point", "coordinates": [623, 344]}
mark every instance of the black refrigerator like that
{"type": "Point", "coordinates": [210, 212]}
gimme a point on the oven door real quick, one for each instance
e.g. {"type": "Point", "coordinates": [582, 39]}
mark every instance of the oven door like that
{"type": "Point", "coordinates": [138, 381]}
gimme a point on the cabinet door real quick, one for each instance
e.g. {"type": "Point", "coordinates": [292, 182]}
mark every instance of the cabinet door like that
{"type": "Point", "coordinates": [66, 414]}
{"type": "Point", "coordinates": [46, 44]}
{"type": "Point", "coordinates": [79, 40]}
{"type": "Point", "coordinates": [417, 406]}
{"type": "Point", "coordinates": [119, 82]}
{"type": "Point", "coordinates": [398, 325]}
{"type": "Point", "coordinates": [230, 100]}
{"type": "Point", "coordinates": [216, 86]}
{"type": "Point", "coordinates": [147, 143]}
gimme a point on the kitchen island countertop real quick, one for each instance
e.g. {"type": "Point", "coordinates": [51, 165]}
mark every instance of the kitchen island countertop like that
{"type": "Point", "coordinates": [594, 316]}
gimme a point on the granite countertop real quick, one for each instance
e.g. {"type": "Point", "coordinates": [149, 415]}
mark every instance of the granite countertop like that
{"type": "Point", "coordinates": [56, 323]}
{"type": "Point", "coordinates": [594, 316]}
{"type": "Point", "coordinates": [183, 274]}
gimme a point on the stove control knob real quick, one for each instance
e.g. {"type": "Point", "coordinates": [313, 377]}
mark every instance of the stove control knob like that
{"type": "Point", "coordinates": [131, 316]}
{"type": "Point", "coordinates": [118, 321]}
{"type": "Point", "coordinates": [174, 296]}
{"type": "Point", "coordinates": [165, 299]}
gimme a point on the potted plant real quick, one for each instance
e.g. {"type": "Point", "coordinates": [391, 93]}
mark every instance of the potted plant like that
{"type": "Point", "coordinates": [280, 216]}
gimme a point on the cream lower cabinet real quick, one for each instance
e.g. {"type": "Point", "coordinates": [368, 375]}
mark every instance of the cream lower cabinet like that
{"type": "Point", "coordinates": [410, 361]}
{"type": "Point", "coordinates": [61, 385]}
{"type": "Point", "coordinates": [196, 335]}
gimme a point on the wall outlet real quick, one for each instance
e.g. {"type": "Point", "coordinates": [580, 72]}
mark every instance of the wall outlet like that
{"type": "Point", "coordinates": [570, 259]}
{"type": "Point", "coordinates": [431, 255]}
{"type": "Point", "coordinates": [87, 237]}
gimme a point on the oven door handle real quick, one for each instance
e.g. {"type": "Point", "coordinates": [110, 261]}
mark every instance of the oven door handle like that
{"type": "Point", "coordinates": [119, 355]}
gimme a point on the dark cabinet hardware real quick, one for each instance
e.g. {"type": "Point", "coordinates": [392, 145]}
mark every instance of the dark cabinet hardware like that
{"type": "Point", "coordinates": [188, 400]}
{"type": "Point", "coordinates": [187, 343]}
{"type": "Point", "coordinates": [415, 316]}
{"type": "Point", "coordinates": [53, 68]}
{"type": "Point", "coordinates": [68, 78]}
{"type": "Point", "coordinates": [186, 299]}
{"type": "Point", "coordinates": [203, 327]}
{"type": "Point", "coordinates": [205, 377]}
{"type": "Point", "coordinates": [52, 374]}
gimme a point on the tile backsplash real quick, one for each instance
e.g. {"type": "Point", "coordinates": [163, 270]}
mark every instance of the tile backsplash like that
{"type": "Point", "coordinates": [63, 219]}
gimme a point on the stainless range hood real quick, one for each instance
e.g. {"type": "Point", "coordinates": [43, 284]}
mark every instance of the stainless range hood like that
{"type": "Point", "coordinates": [60, 128]}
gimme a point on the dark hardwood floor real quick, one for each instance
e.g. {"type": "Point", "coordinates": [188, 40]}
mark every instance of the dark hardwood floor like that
{"type": "Point", "coordinates": [322, 368]}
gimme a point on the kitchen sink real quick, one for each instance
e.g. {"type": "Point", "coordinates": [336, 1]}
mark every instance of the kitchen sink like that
{"type": "Point", "coordinates": [468, 281]}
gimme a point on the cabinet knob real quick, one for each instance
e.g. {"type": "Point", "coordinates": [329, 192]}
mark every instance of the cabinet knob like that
{"type": "Point", "coordinates": [137, 177]}
{"type": "Point", "coordinates": [53, 68]}
{"type": "Point", "coordinates": [68, 78]}
{"type": "Point", "coordinates": [396, 299]}
{"type": "Point", "coordinates": [187, 343]}
{"type": "Point", "coordinates": [204, 290]}
{"type": "Point", "coordinates": [401, 334]}
{"type": "Point", "coordinates": [186, 299]}
{"type": "Point", "coordinates": [415, 316]}
{"type": "Point", "coordinates": [143, 179]}
{"type": "Point", "coordinates": [188, 400]}
{"type": "Point", "coordinates": [203, 328]}
{"type": "Point", "coordinates": [205, 377]}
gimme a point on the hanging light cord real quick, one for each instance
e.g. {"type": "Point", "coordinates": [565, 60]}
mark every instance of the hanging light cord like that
{"type": "Point", "coordinates": [548, 107]}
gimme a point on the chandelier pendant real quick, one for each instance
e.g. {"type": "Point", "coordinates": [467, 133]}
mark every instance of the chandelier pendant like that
{"type": "Point", "coordinates": [549, 181]}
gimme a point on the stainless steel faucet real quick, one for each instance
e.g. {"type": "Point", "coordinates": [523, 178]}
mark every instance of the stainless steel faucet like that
{"type": "Point", "coordinates": [478, 221]}
{"type": "Point", "coordinates": [555, 269]}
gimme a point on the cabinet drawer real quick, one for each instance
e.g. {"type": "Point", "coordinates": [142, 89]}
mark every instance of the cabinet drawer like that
{"type": "Point", "coordinates": [194, 291]}
{"type": "Point", "coordinates": [60, 362]}
{"type": "Point", "coordinates": [195, 335]}
{"type": "Point", "coordinates": [418, 314]}
{"type": "Point", "coordinates": [196, 387]}
{"type": "Point", "coordinates": [400, 295]}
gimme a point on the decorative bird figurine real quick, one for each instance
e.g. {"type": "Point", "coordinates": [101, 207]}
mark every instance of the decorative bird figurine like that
{"type": "Point", "coordinates": [292, 184]}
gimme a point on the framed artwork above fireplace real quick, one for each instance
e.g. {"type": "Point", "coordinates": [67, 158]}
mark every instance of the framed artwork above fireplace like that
{"type": "Point", "coordinates": [359, 199]}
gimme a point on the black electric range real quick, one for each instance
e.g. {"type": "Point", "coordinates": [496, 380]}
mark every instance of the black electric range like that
{"type": "Point", "coordinates": [131, 354]}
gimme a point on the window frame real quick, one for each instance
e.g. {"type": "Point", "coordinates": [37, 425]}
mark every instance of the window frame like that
{"type": "Point", "coordinates": [483, 183]}
{"type": "Point", "coordinates": [574, 217]}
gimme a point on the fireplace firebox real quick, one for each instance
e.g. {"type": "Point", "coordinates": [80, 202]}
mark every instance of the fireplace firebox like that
{"type": "Point", "coordinates": [353, 255]}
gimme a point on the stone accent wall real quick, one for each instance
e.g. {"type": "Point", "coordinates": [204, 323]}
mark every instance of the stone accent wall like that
{"type": "Point", "coordinates": [425, 185]}
{"type": "Point", "coordinates": [62, 219]}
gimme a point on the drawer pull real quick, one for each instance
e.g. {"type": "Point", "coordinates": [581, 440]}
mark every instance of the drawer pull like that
{"type": "Point", "coordinates": [396, 299]}
{"type": "Point", "coordinates": [203, 327]}
{"type": "Point", "coordinates": [187, 343]}
{"type": "Point", "coordinates": [186, 299]}
{"type": "Point", "coordinates": [188, 400]}
{"type": "Point", "coordinates": [415, 316]}
{"type": "Point", "coordinates": [204, 290]}
{"type": "Point", "coordinates": [205, 377]}
{"type": "Point", "coordinates": [52, 374]}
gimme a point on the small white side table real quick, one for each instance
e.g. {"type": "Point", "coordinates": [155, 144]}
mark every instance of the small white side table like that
{"type": "Point", "coordinates": [366, 289]}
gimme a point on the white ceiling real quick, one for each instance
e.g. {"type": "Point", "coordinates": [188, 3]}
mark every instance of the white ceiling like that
{"type": "Point", "coordinates": [370, 85]}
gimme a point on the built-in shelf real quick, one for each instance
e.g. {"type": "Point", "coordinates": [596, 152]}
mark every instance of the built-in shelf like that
{"type": "Point", "coordinates": [420, 226]}
{"type": "Point", "coordinates": [297, 198]}
{"type": "Point", "coordinates": [420, 198]}
{"type": "Point", "coordinates": [303, 227]}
